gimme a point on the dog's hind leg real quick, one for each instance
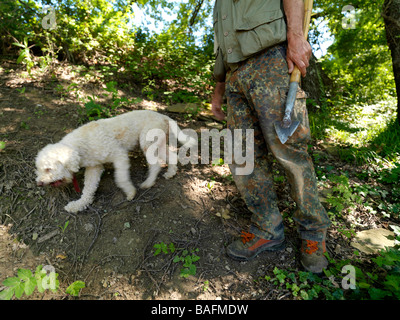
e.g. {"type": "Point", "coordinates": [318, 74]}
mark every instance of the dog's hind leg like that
{"type": "Point", "coordinates": [92, 179]}
{"type": "Point", "coordinates": [122, 175]}
{"type": "Point", "coordinates": [155, 154]}
{"type": "Point", "coordinates": [154, 169]}
{"type": "Point", "coordinates": [172, 167]}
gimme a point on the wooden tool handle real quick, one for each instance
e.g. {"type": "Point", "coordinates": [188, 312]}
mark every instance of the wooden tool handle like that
{"type": "Point", "coordinates": [308, 5]}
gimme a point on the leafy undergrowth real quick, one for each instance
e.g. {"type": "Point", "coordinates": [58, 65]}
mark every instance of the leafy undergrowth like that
{"type": "Point", "coordinates": [358, 196]}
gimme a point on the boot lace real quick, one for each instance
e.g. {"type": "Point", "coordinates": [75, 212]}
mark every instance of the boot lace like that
{"type": "Point", "coordinates": [246, 236]}
{"type": "Point", "coordinates": [311, 246]}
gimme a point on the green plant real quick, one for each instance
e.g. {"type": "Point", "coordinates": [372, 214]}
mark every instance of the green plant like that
{"type": "Point", "coordinates": [188, 258]}
{"type": "Point", "coordinates": [64, 227]}
{"type": "Point", "coordinates": [218, 162]}
{"type": "Point", "coordinates": [44, 278]}
{"type": "Point", "coordinates": [206, 285]}
{"type": "Point", "coordinates": [116, 101]}
{"type": "Point", "coordinates": [2, 145]}
{"type": "Point", "coordinates": [387, 277]}
{"type": "Point", "coordinates": [25, 55]}
{"type": "Point", "coordinates": [24, 125]}
{"type": "Point", "coordinates": [341, 195]}
{"type": "Point", "coordinates": [162, 247]}
{"type": "Point", "coordinates": [22, 90]}
{"type": "Point", "coordinates": [94, 110]}
{"type": "Point", "coordinates": [75, 288]}
{"type": "Point", "coordinates": [390, 176]}
{"type": "Point", "coordinates": [380, 281]}
{"type": "Point", "coordinates": [210, 185]}
{"type": "Point", "coordinates": [26, 282]}
{"type": "Point", "coordinates": [348, 233]}
{"type": "Point", "coordinates": [304, 285]}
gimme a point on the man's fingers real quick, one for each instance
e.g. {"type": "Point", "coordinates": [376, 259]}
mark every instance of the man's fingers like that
{"type": "Point", "coordinates": [301, 65]}
{"type": "Point", "coordinates": [290, 65]}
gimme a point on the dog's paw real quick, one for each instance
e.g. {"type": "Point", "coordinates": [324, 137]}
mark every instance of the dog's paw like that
{"type": "Point", "coordinates": [131, 195]}
{"type": "Point", "coordinates": [74, 207]}
{"type": "Point", "coordinates": [169, 174]}
{"type": "Point", "coordinates": [147, 184]}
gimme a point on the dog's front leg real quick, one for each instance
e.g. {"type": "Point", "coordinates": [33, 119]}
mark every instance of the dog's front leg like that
{"type": "Point", "coordinates": [92, 179]}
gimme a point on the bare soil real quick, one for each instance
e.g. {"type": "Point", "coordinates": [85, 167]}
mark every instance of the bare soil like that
{"type": "Point", "coordinates": [110, 246]}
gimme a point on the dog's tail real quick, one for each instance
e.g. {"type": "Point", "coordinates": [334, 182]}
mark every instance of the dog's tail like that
{"type": "Point", "coordinates": [183, 138]}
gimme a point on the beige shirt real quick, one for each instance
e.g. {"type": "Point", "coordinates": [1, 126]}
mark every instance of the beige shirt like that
{"type": "Point", "coordinates": [243, 28]}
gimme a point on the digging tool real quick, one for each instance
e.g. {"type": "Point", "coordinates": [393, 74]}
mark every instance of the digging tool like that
{"type": "Point", "coordinates": [287, 127]}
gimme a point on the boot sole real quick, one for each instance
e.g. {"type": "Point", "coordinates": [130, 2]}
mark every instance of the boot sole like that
{"type": "Point", "coordinates": [317, 272]}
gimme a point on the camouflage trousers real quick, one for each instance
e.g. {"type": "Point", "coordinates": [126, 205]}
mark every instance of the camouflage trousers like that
{"type": "Point", "coordinates": [256, 93]}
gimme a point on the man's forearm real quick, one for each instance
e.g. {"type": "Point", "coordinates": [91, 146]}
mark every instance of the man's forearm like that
{"type": "Point", "coordinates": [294, 11]}
{"type": "Point", "coordinates": [299, 50]}
{"type": "Point", "coordinates": [220, 88]}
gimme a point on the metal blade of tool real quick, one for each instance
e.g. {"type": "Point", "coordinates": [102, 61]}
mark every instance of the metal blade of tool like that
{"type": "Point", "coordinates": [287, 127]}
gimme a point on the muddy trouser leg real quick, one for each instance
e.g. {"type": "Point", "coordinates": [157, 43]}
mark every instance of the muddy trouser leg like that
{"type": "Point", "coordinates": [256, 94]}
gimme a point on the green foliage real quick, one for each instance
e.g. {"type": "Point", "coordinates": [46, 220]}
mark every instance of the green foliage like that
{"type": "Point", "coordinates": [188, 258]}
{"type": "Point", "coordinates": [178, 58]}
{"type": "Point", "coordinates": [171, 59]}
{"type": "Point", "coordinates": [305, 285]}
{"type": "Point", "coordinates": [75, 288]}
{"type": "Point", "coordinates": [358, 61]}
{"type": "Point", "coordinates": [391, 176]}
{"type": "Point", "coordinates": [162, 247]}
{"type": "Point", "coordinates": [100, 33]}
{"type": "Point", "coordinates": [25, 55]}
{"type": "Point", "coordinates": [16, 21]}
{"type": "Point", "coordinates": [94, 110]}
{"type": "Point", "coordinates": [42, 280]}
{"type": "Point", "coordinates": [389, 193]}
{"type": "Point", "coordinates": [64, 227]}
{"type": "Point", "coordinates": [380, 281]}
{"type": "Point", "coordinates": [26, 282]}
{"type": "Point", "coordinates": [341, 195]}
{"type": "Point", "coordinates": [360, 134]}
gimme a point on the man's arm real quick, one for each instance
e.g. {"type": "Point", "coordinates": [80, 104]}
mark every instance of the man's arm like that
{"type": "Point", "coordinates": [299, 50]}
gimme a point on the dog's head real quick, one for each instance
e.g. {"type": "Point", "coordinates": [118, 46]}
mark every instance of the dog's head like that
{"type": "Point", "coordinates": [55, 165]}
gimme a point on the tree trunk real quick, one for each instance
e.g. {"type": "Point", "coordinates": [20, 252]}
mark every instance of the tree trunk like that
{"type": "Point", "coordinates": [315, 83]}
{"type": "Point", "coordinates": [391, 16]}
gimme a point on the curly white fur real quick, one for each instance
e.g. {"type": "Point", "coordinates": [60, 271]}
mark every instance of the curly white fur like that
{"type": "Point", "coordinates": [106, 141]}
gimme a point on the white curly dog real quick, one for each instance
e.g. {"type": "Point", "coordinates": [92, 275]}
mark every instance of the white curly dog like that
{"type": "Point", "coordinates": [109, 141]}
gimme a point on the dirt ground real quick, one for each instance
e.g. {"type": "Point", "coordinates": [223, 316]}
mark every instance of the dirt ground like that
{"type": "Point", "coordinates": [110, 246]}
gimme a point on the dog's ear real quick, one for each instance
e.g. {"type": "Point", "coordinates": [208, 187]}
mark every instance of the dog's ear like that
{"type": "Point", "coordinates": [70, 159]}
{"type": "Point", "coordinates": [73, 164]}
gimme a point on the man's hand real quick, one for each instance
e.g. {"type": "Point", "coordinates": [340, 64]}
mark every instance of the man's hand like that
{"type": "Point", "coordinates": [298, 53]}
{"type": "Point", "coordinates": [299, 50]}
{"type": "Point", "coordinates": [217, 101]}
